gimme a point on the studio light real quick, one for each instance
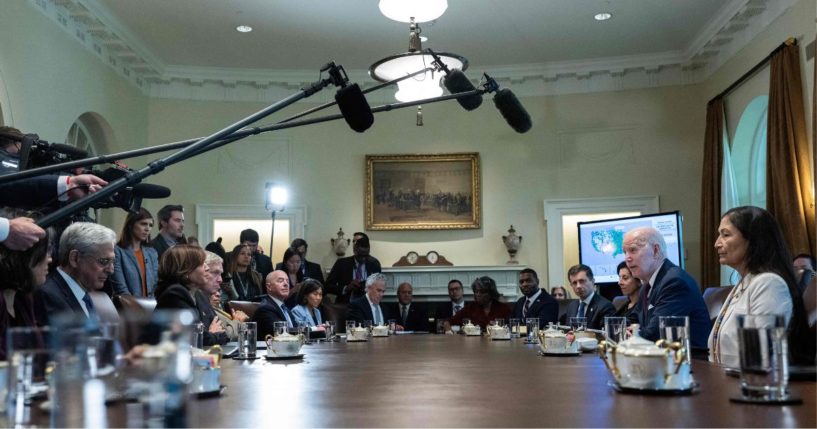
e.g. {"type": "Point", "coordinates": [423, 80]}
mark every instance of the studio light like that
{"type": "Point", "coordinates": [276, 197]}
{"type": "Point", "coordinates": [419, 10]}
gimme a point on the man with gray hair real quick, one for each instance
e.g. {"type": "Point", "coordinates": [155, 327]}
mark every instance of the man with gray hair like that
{"type": "Point", "coordinates": [86, 259]}
{"type": "Point", "coordinates": [367, 307]}
{"type": "Point", "coordinates": [666, 290]}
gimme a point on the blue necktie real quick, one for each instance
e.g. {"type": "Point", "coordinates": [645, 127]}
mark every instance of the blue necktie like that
{"type": "Point", "coordinates": [89, 305]}
{"type": "Point", "coordinates": [286, 315]}
{"type": "Point", "coordinates": [376, 313]}
{"type": "Point", "coordinates": [581, 309]}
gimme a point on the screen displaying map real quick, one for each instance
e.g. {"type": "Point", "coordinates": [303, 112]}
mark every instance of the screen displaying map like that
{"type": "Point", "coordinates": [600, 242]}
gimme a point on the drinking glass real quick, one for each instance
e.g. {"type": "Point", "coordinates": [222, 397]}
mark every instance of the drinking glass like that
{"type": "Point", "coordinates": [615, 328]}
{"type": "Point", "coordinates": [368, 325]}
{"type": "Point", "coordinates": [247, 339]}
{"type": "Point", "coordinates": [532, 326]}
{"type": "Point", "coordinates": [578, 323]}
{"type": "Point", "coordinates": [675, 329]}
{"type": "Point", "coordinates": [198, 336]}
{"type": "Point", "coordinates": [763, 350]}
{"type": "Point", "coordinates": [28, 355]}
{"type": "Point", "coordinates": [515, 327]}
{"type": "Point", "coordinates": [279, 328]}
{"type": "Point", "coordinates": [392, 326]}
{"type": "Point", "coordinates": [466, 321]}
{"type": "Point", "coordinates": [329, 325]}
{"type": "Point", "coordinates": [350, 324]}
{"type": "Point", "coordinates": [304, 329]}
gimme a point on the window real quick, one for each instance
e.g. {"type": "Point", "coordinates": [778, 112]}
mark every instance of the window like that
{"type": "Point", "coordinates": [748, 154]}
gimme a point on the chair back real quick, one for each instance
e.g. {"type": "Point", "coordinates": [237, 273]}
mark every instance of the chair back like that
{"type": "Point", "coordinates": [136, 305]}
{"type": "Point", "coordinates": [620, 301]}
{"type": "Point", "coordinates": [563, 303]}
{"type": "Point", "coordinates": [714, 297]}
{"type": "Point", "coordinates": [247, 307]}
{"type": "Point", "coordinates": [335, 313]}
{"type": "Point", "coordinates": [104, 307]}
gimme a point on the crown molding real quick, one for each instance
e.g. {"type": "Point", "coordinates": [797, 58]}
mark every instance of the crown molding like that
{"type": "Point", "coordinates": [99, 31]}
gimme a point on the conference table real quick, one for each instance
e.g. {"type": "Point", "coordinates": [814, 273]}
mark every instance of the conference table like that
{"type": "Point", "coordinates": [445, 381]}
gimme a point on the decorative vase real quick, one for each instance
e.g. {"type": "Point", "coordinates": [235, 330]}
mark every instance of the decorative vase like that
{"type": "Point", "coordinates": [340, 243]}
{"type": "Point", "coordinates": [512, 242]}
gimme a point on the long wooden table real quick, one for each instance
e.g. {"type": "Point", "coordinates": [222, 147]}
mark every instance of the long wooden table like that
{"type": "Point", "coordinates": [445, 381]}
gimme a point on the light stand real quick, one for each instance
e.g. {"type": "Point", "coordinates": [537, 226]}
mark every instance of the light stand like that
{"type": "Point", "coordinates": [276, 199]}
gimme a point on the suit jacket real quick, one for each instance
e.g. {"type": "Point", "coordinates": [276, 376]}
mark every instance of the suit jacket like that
{"type": "Point", "coordinates": [159, 244]}
{"type": "Point", "coordinates": [545, 308]}
{"type": "Point", "coordinates": [360, 311]}
{"type": "Point", "coordinates": [54, 297]}
{"type": "Point", "coordinates": [33, 192]}
{"type": "Point", "coordinates": [312, 271]}
{"type": "Point", "coordinates": [416, 319]}
{"type": "Point", "coordinates": [265, 317]}
{"type": "Point", "coordinates": [342, 274]}
{"type": "Point", "coordinates": [175, 297]}
{"type": "Point", "coordinates": [206, 315]}
{"type": "Point", "coordinates": [595, 313]}
{"type": "Point", "coordinates": [263, 264]}
{"type": "Point", "coordinates": [445, 311]}
{"type": "Point", "coordinates": [301, 315]}
{"type": "Point", "coordinates": [127, 274]}
{"type": "Point", "coordinates": [675, 293]}
{"type": "Point", "coordinates": [23, 316]}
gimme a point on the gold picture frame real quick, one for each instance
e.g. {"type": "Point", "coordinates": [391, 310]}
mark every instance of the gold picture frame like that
{"type": "Point", "coordinates": [419, 192]}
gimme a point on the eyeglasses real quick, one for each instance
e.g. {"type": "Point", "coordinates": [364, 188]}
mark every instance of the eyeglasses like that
{"type": "Point", "coordinates": [104, 262]}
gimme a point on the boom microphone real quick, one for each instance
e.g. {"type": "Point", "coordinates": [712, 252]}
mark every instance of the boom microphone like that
{"type": "Point", "coordinates": [512, 110]}
{"type": "Point", "coordinates": [354, 107]}
{"type": "Point", "coordinates": [455, 82]}
{"type": "Point", "coordinates": [149, 190]}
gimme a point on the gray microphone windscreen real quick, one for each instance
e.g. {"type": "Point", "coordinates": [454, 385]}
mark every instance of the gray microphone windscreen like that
{"type": "Point", "coordinates": [456, 82]}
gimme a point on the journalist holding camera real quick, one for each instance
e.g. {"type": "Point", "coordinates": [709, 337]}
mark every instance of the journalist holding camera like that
{"type": "Point", "coordinates": [34, 193]}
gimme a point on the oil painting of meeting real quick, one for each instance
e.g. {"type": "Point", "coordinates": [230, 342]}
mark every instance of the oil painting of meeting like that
{"type": "Point", "coordinates": [223, 213]}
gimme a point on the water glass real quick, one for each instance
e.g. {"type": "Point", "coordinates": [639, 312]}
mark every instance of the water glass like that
{"type": "Point", "coordinates": [675, 329]}
{"type": "Point", "coordinates": [279, 328]}
{"type": "Point", "coordinates": [247, 337]}
{"type": "Point", "coordinates": [304, 329]}
{"type": "Point", "coordinates": [329, 325]}
{"type": "Point", "coordinates": [466, 321]}
{"type": "Point", "coordinates": [350, 324]}
{"type": "Point", "coordinates": [28, 356]}
{"type": "Point", "coordinates": [368, 325]}
{"type": "Point", "coordinates": [615, 329]}
{"type": "Point", "coordinates": [392, 326]}
{"type": "Point", "coordinates": [763, 350]}
{"type": "Point", "coordinates": [197, 340]}
{"type": "Point", "coordinates": [515, 327]}
{"type": "Point", "coordinates": [532, 326]}
{"type": "Point", "coordinates": [578, 324]}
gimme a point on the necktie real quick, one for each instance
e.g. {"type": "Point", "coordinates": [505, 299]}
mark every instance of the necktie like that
{"type": "Point", "coordinates": [457, 308]}
{"type": "Point", "coordinates": [286, 315]}
{"type": "Point", "coordinates": [403, 314]}
{"type": "Point", "coordinates": [581, 309]}
{"type": "Point", "coordinates": [89, 305]}
{"type": "Point", "coordinates": [645, 303]}
{"type": "Point", "coordinates": [376, 313]}
{"type": "Point", "coordinates": [526, 308]}
{"type": "Point", "coordinates": [360, 272]}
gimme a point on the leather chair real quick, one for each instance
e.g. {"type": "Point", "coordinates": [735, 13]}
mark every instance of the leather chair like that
{"type": "Point", "coordinates": [134, 311]}
{"type": "Point", "coordinates": [247, 307]}
{"type": "Point", "coordinates": [620, 301]}
{"type": "Point", "coordinates": [563, 303]}
{"type": "Point", "coordinates": [135, 305]}
{"type": "Point", "coordinates": [714, 297]}
{"type": "Point", "coordinates": [335, 313]}
{"type": "Point", "coordinates": [105, 307]}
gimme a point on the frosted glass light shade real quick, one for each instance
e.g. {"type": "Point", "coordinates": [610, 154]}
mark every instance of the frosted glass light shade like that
{"type": "Point", "coordinates": [421, 10]}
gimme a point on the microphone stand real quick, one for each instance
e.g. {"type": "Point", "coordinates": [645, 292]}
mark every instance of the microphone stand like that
{"type": "Point", "coordinates": [196, 148]}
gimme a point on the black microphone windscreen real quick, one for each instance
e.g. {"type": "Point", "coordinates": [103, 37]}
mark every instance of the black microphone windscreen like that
{"type": "Point", "coordinates": [457, 82]}
{"type": "Point", "coordinates": [149, 190]}
{"type": "Point", "coordinates": [512, 110]}
{"type": "Point", "coordinates": [355, 108]}
{"type": "Point", "coordinates": [73, 152]}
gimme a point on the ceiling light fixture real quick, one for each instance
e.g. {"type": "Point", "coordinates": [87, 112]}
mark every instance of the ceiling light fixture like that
{"type": "Point", "coordinates": [243, 29]}
{"type": "Point", "coordinates": [416, 10]}
{"type": "Point", "coordinates": [424, 85]}
{"type": "Point", "coordinates": [604, 16]}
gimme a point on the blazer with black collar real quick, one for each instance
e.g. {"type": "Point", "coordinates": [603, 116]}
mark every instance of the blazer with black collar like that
{"type": "Point", "coordinates": [595, 313]}
{"type": "Point", "coordinates": [54, 297]}
{"type": "Point", "coordinates": [545, 308]}
{"type": "Point", "coordinates": [266, 315]}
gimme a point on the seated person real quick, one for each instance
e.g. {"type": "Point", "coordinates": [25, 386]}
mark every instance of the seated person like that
{"type": "Point", "coordinates": [309, 297]}
{"type": "Point", "coordinates": [630, 287]}
{"type": "Point", "coordinates": [751, 242]}
{"type": "Point", "coordinates": [485, 307]}
{"type": "Point", "coordinates": [367, 307]}
{"type": "Point", "coordinates": [273, 308]}
{"type": "Point", "coordinates": [534, 303]}
{"type": "Point", "coordinates": [215, 332]}
{"type": "Point", "coordinates": [559, 292]}
{"type": "Point", "coordinates": [409, 316]}
{"type": "Point", "coordinates": [229, 320]}
{"type": "Point", "coordinates": [456, 301]}
{"type": "Point", "coordinates": [590, 304]}
{"type": "Point", "coordinates": [245, 283]}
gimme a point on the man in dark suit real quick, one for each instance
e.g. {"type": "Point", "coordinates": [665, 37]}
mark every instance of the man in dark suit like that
{"type": "Point", "coordinates": [260, 262]}
{"type": "Point", "coordinates": [273, 308]}
{"type": "Point", "coordinates": [409, 316]}
{"type": "Point", "coordinates": [455, 304]}
{"type": "Point", "coordinates": [309, 269]}
{"type": "Point", "coordinates": [666, 289]}
{"type": "Point", "coordinates": [86, 259]}
{"type": "Point", "coordinates": [348, 274]}
{"type": "Point", "coordinates": [367, 307]}
{"type": "Point", "coordinates": [171, 228]}
{"type": "Point", "coordinates": [590, 304]}
{"type": "Point", "coordinates": [535, 303]}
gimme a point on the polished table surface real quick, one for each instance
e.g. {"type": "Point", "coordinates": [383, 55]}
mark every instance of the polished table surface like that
{"type": "Point", "coordinates": [445, 381]}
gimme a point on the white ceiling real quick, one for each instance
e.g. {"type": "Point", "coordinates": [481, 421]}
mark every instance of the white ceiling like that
{"type": "Point", "coordinates": [304, 34]}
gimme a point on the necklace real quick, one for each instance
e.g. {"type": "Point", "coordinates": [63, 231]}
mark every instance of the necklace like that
{"type": "Point", "coordinates": [241, 283]}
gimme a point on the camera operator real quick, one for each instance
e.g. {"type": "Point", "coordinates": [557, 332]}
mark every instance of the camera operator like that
{"type": "Point", "coordinates": [21, 233]}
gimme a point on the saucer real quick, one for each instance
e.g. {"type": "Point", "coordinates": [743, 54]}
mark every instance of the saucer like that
{"type": "Point", "coordinates": [500, 338]}
{"type": "Point", "coordinates": [791, 400]}
{"type": "Point", "coordinates": [693, 388]}
{"type": "Point", "coordinates": [564, 353]}
{"type": "Point", "coordinates": [210, 393]}
{"type": "Point", "coordinates": [293, 357]}
{"type": "Point", "coordinates": [246, 358]}
{"type": "Point", "coordinates": [380, 336]}
{"type": "Point", "coordinates": [348, 340]}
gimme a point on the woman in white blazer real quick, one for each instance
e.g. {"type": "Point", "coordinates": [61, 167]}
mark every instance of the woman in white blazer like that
{"type": "Point", "coordinates": [136, 266]}
{"type": "Point", "coordinates": [751, 242]}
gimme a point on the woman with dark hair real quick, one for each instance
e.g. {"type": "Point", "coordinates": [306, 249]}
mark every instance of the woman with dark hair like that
{"type": "Point", "coordinates": [136, 265]}
{"type": "Point", "coordinates": [630, 286]}
{"type": "Point", "coordinates": [751, 242]}
{"type": "Point", "coordinates": [485, 307]}
{"type": "Point", "coordinates": [21, 272]}
{"type": "Point", "coordinates": [245, 283]}
{"type": "Point", "coordinates": [309, 297]}
{"type": "Point", "coordinates": [292, 266]}
{"type": "Point", "coordinates": [182, 271]}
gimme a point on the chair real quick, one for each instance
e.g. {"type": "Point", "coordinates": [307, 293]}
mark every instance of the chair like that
{"type": "Point", "coordinates": [620, 301]}
{"type": "Point", "coordinates": [246, 306]}
{"type": "Point", "coordinates": [135, 305]}
{"type": "Point", "coordinates": [335, 313]}
{"type": "Point", "coordinates": [104, 307]}
{"type": "Point", "coordinates": [563, 303]}
{"type": "Point", "coordinates": [714, 298]}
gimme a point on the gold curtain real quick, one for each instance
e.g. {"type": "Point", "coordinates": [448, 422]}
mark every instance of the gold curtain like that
{"type": "Point", "coordinates": [711, 192]}
{"type": "Point", "coordinates": [788, 173]}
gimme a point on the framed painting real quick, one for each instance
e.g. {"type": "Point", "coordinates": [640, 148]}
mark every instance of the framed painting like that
{"type": "Point", "coordinates": [415, 192]}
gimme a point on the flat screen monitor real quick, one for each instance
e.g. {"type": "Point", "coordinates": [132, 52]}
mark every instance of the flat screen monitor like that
{"type": "Point", "coordinates": [600, 241]}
